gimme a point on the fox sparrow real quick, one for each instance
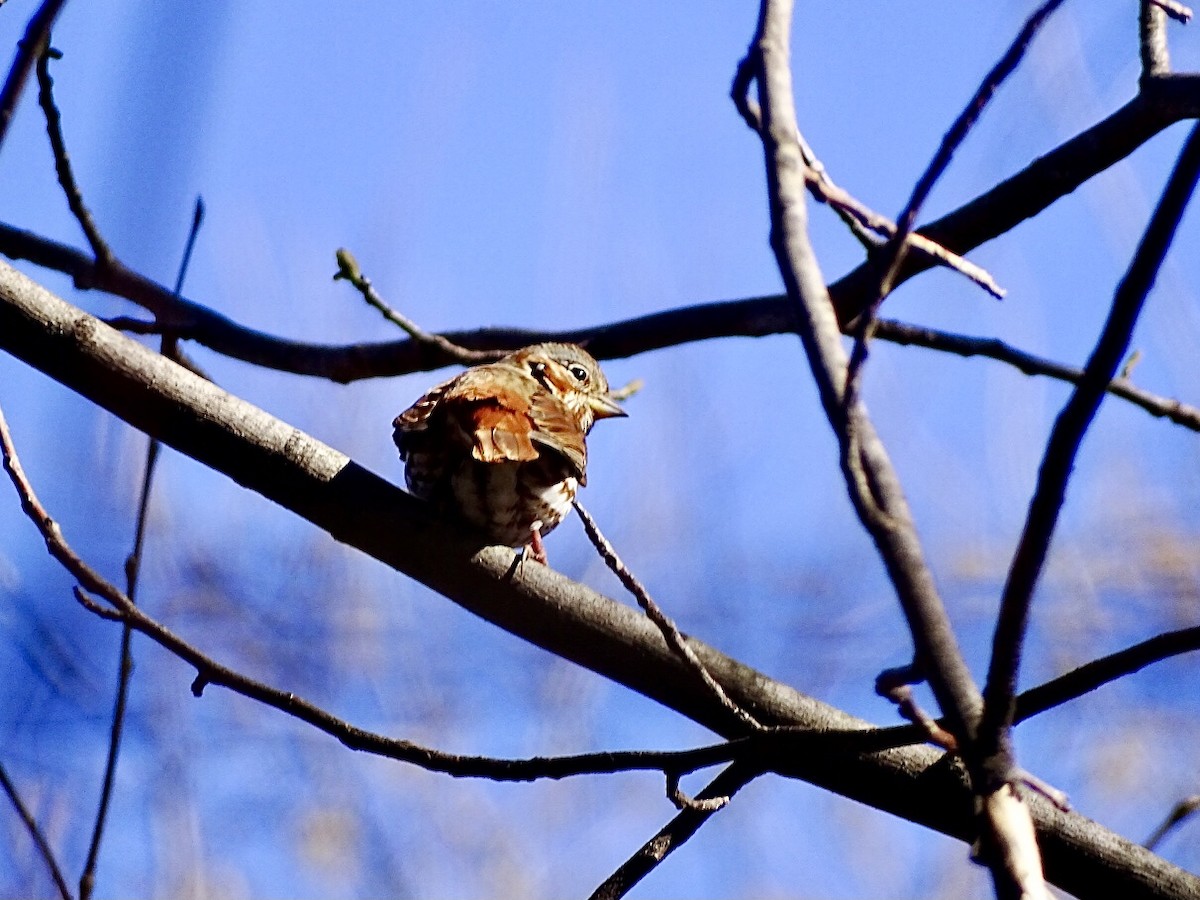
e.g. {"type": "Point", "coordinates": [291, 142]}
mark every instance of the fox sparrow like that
{"type": "Point", "coordinates": [502, 446]}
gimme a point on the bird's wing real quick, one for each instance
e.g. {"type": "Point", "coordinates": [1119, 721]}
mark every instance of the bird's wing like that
{"type": "Point", "coordinates": [485, 409]}
{"type": "Point", "coordinates": [555, 428]}
{"type": "Point", "coordinates": [411, 423]}
{"type": "Point", "coordinates": [500, 413]}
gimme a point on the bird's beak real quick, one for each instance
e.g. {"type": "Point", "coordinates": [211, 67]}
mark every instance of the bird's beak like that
{"type": "Point", "coordinates": [604, 406]}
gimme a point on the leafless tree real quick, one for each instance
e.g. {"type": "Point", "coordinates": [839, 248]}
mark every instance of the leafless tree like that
{"type": "Point", "coordinates": [954, 771]}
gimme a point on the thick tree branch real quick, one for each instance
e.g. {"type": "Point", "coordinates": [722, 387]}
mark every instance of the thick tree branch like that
{"type": "Point", "coordinates": [537, 604]}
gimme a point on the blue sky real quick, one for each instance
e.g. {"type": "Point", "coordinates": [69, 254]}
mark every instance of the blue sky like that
{"type": "Point", "coordinates": [546, 165]}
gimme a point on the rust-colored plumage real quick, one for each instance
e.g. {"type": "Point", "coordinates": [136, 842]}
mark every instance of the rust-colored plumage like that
{"type": "Point", "coordinates": [503, 445]}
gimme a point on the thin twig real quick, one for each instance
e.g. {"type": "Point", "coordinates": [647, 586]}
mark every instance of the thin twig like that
{"type": "Point", "coordinates": [966, 345]}
{"type": "Point", "coordinates": [133, 566]}
{"type": "Point", "coordinates": [675, 640]}
{"type": "Point", "coordinates": [35, 832]}
{"type": "Point", "coordinates": [1043, 788]}
{"type": "Point", "coordinates": [1065, 439]}
{"type": "Point", "coordinates": [674, 834]}
{"type": "Point", "coordinates": [349, 270]}
{"type": "Point", "coordinates": [29, 48]}
{"type": "Point", "coordinates": [743, 100]}
{"type": "Point", "coordinates": [858, 216]}
{"type": "Point", "coordinates": [894, 254]}
{"type": "Point", "coordinates": [682, 801]}
{"type": "Point", "coordinates": [1182, 810]}
{"type": "Point", "coordinates": [1104, 670]}
{"type": "Point", "coordinates": [62, 161]}
{"type": "Point", "coordinates": [954, 138]}
{"type": "Point", "coordinates": [1036, 700]}
{"type": "Point", "coordinates": [1175, 10]}
{"type": "Point", "coordinates": [896, 686]}
{"type": "Point", "coordinates": [627, 390]}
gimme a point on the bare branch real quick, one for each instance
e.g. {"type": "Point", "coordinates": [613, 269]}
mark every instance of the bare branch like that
{"type": "Point", "coordinates": [998, 210]}
{"type": "Point", "coordinates": [896, 686]}
{"type": "Point", "coordinates": [348, 270]}
{"type": "Point", "coordinates": [29, 49]}
{"type": "Point", "coordinates": [871, 481]}
{"type": "Point", "coordinates": [1152, 34]}
{"type": "Point", "coordinates": [955, 136]}
{"type": "Point", "coordinates": [625, 391]}
{"type": "Point", "coordinates": [897, 248]}
{"type": "Point", "coordinates": [1065, 440]}
{"type": "Point", "coordinates": [1011, 843]}
{"type": "Point", "coordinates": [62, 161]}
{"type": "Point", "coordinates": [682, 801]}
{"type": "Point", "coordinates": [861, 219]}
{"type": "Point", "coordinates": [1041, 787]}
{"type": "Point", "coordinates": [1175, 10]}
{"type": "Point", "coordinates": [743, 100]}
{"type": "Point", "coordinates": [674, 834]}
{"type": "Point", "coordinates": [35, 832]}
{"type": "Point", "coordinates": [1183, 810]}
{"type": "Point", "coordinates": [1102, 671]}
{"type": "Point", "coordinates": [965, 345]}
{"type": "Point", "coordinates": [675, 640]}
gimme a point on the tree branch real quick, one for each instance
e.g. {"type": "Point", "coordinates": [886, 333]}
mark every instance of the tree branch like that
{"type": "Point", "coordinates": [1065, 439]}
{"type": "Point", "coordinates": [898, 245]}
{"type": "Point", "coordinates": [62, 161]}
{"type": "Point", "coordinates": [670, 632]}
{"type": "Point", "coordinates": [965, 345]}
{"type": "Point", "coordinates": [672, 835]}
{"type": "Point", "coordinates": [35, 832]}
{"type": "Point", "coordinates": [29, 48]}
{"type": "Point", "coordinates": [1152, 33]}
{"type": "Point", "coordinates": [1184, 809]}
{"type": "Point", "coordinates": [1106, 669]}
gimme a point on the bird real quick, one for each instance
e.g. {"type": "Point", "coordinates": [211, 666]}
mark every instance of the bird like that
{"type": "Point", "coordinates": [502, 446]}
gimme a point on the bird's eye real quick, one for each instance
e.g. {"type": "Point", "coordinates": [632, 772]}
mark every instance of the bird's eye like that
{"type": "Point", "coordinates": [579, 372]}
